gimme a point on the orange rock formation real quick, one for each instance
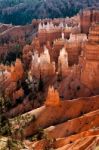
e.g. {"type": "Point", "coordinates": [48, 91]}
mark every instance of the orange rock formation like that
{"type": "Point", "coordinates": [66, 60]}
{"type": "Point", "coordinates": [52, 98]}
{"type": "Point", "coordinates": [87, 17]}
{"type": "Point", "coordinates": [90, 72]}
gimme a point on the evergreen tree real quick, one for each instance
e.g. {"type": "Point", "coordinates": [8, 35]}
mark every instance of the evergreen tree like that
{"type": "Point", "coordinates": [41, 84]}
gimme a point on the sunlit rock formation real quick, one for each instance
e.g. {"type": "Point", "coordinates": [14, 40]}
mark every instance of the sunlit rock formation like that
{"type": "Point", "coordinates": [59, 73]}
{"type": "Point", "coordinates": [42, 64]}
{"type": "Point", "coordinates": [94, 33]}
{"type": "Point", "coordinates": [9, 76]}
{"type": "Point", "coordinates": [48, 32]}
{"type": "Point", "coordinates": [68, 110]}
{"type": "Point", "coordinates": [63, 62]}
{"type": "Point", "coordinates": [71, 29]}
{"type": "Point", "coordinates": [74, 47]}
{"type": "Point", "coordinates": [53, 98]}
{"type": "Point", "coordinates": [90, 72]}
{"type": "Point", "coordinates": [17, 71]}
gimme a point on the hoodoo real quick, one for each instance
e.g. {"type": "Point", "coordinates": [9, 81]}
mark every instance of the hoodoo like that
{"type": "Point", "coordinates": [49, 75]}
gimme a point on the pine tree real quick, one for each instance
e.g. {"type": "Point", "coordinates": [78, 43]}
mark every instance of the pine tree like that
{"type": "Point", "coordinates": [41, 84]}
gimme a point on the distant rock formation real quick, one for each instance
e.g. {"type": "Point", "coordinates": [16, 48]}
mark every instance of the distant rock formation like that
{"type": "Point", "coordinates": [9, 76]}
{"type": "Point", "coordinates": [42, 64]}
{"type": "Point", "coordinates": [63, 62]}
{"type": "Point", "coordinates": [87, 17]}
{"type": "Point", "coordinates": [74, 47]}
{"type": "Point", "coordinates": [50, 32]}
